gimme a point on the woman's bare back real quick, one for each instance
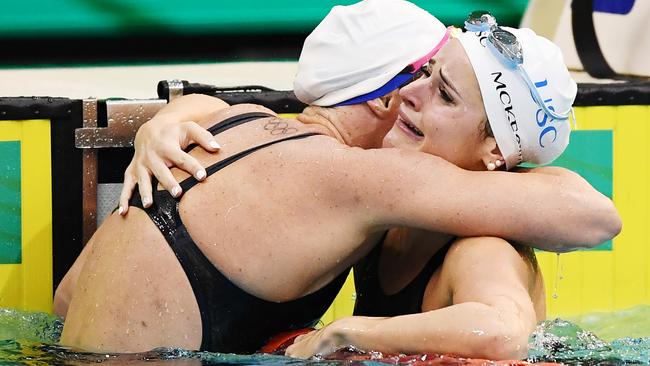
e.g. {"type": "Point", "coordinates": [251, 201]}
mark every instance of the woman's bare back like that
{"type": "Point", "coordinates": [267, 222]}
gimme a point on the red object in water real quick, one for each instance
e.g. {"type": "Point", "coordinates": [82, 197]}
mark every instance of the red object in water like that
{"type": "Point", "coordinates": [279, 343]}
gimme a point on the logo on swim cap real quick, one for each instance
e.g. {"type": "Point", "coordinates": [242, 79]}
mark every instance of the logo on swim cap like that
{"type": "Point", "coordinates": [542, 118]}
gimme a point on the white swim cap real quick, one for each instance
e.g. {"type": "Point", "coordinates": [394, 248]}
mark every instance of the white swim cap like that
{"type": "Point", "coordinates": [523, 132]}
{"type": "Point", "coordinates": [357, 51]}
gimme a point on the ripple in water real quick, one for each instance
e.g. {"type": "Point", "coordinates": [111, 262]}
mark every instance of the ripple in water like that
{"type": "Point", "coordinates": [34, 327]}
{"type": "Point", "coordinates": [562, 341]}
{"type": "Point", "coordinates": [30, 339]}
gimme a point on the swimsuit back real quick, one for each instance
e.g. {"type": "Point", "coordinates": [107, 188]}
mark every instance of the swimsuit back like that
{"type": "Point", "coordinates": [233, 320]}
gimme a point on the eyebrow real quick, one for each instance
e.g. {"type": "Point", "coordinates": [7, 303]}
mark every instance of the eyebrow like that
{"type": "Point", "coordinates": [451, 86]}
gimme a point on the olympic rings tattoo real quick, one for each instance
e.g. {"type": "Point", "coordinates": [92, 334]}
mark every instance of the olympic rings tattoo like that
{"type": "Point", "coordinates": [279, 127]}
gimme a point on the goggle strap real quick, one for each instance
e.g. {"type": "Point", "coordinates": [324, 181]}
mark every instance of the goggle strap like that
{"type": "Point", "coordinates": [574, 120]}
{"type": "Point", "coordinates": [513, 63]}
{"type": "Point", "coordinates": [471, 27]}
{"type": "Point", "coordinates": [538, 99]}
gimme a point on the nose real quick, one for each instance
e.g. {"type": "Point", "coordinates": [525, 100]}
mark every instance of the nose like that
{"type": "Point", "coordinates": [411, 94]}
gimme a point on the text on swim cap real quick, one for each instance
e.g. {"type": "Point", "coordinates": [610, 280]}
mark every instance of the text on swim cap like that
{"type": "Point", "coordinates": [482, 38]}
{"type": "Point", "coordinates": [544, 117]}
{"type": "Point", "coordinates": [506, 100]}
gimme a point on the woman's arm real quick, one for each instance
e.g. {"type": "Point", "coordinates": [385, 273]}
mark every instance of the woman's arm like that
{"type": "Point", "coordinates": [491, 315]}
{"type": "Point", "coordinates": [159, 144]}
{"type": "Point", "coordinates": [554, 209]}
{"type": "Point", "coordinates": [602, 214]}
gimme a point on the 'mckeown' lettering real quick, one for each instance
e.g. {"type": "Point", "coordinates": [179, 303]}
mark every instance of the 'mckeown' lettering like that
{"type": "Point", "coordinates": [506, 100]}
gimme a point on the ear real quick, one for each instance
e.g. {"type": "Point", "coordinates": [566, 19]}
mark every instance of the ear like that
{"type": "Point", "coordinates": [490, 153]}
{"type": "Point", "coordinates": [386, 106]}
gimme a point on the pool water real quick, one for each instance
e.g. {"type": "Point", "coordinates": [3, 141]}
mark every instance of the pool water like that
{"type": "Point", "coordinates": [634, 323]}
{"type": "Point", "coordinates": [30, 339]}
{"type": "Point", "coordinates": [563, 341]}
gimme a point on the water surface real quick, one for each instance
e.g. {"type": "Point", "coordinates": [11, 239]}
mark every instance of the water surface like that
{"type": "Point", "coordinates": [30, 339]}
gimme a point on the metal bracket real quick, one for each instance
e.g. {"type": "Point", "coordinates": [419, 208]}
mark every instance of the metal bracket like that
{"type": "Point", "coordinates": [175, 89]}
{"type": "Point", "coordinates": [124, 119]}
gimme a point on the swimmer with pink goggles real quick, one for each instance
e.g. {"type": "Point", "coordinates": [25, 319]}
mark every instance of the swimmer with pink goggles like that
{"type": "Point", "coordinates": [410, 73]}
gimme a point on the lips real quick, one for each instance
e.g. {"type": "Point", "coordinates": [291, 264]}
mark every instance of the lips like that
{"type": "Point", "coordinates": [408, 127]}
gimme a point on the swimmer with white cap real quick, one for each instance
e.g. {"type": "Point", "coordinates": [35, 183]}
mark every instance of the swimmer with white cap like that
{"type": "Point", "coordinates": [526, 89]}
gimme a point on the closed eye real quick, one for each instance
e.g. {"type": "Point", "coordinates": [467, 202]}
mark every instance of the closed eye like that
{"type": "Point", "coordinates": [445, 96]}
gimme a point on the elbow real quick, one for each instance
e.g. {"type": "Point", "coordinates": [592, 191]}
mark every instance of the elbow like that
{"type": "Point", "coordinates": [596, 222]}
{"type": "Point", "coordinates": [504, 338]}
{"type": "Point", "coordinates": [613, 225]}
{"type": "Point", "coordinates": [606, 226]}
{"type": "Point", "coordinates": [592, 218]}
{"type": "Point", "coordinates": [504, 345]}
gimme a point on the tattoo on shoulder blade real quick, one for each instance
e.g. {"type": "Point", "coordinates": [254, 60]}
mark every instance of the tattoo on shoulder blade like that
{"type": "Point", "coordinates": [279, 127]}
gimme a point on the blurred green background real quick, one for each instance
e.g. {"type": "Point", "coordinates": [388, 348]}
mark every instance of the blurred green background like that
{"type": "Point", "coordinates": [60, 31]}
{"type": "Point", "coordinates": [48, 18]}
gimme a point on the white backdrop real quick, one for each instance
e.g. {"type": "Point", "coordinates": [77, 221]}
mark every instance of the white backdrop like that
{"type": "Point", "coordinates": [139, 81]}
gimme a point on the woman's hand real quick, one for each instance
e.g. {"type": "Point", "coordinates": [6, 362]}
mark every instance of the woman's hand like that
{"type": "Point", "coordinates": [328, 339]}
{"type": "Point", "coordinates": [159, 145]}
{"type": "Point", "coordinates": [320, 341]}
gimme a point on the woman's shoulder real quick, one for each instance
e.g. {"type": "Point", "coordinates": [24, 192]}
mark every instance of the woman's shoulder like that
{"type": "Point", "coordinates": [235, 110]}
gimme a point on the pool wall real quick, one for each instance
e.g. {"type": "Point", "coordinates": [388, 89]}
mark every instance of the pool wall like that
{"type": "Point", "coordinates": [615, 158]}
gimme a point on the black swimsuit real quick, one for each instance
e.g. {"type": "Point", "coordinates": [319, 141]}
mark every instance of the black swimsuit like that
{"type": "Point", "coordinates": [370, 298]}
{"type": "Point", "coordinates": [232, 319]}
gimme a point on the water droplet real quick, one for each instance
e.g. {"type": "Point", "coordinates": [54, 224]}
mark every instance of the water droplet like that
{"type": "Point", "coordinates": [558, 277]}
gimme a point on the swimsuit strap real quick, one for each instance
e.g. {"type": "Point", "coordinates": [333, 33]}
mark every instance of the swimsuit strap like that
{"type": "Point", "coordinates": [191, 181]}
{"type": "Point", "coordinates": [231, 122]}
{"type": "Point", "coordinates": [235, 121]}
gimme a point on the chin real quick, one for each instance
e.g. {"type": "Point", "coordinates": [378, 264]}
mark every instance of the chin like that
{"type": "Point", "coordinates": [388, 140]}
{"type": "Point", "coordinates": [395, 138]}
{"type": "Point", "coordinates": [386, 143]}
